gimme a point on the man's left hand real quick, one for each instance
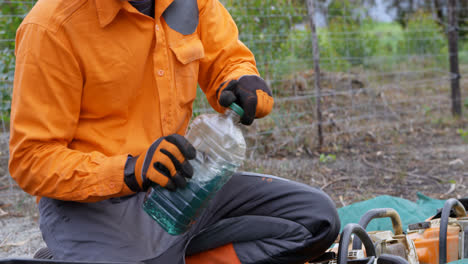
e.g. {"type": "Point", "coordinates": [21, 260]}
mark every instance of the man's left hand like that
{"type": "Point", "coordinates": [251, 93]}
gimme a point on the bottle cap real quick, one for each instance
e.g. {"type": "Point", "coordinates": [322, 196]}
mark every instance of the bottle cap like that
{"type": "Point", "coordinates": [236, 108]}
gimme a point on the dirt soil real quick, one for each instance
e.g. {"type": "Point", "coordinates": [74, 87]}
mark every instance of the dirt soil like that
{"type": "Point", "coordinates": [19, 225]}
{"type": "Point", "coordinates": [431, 159]}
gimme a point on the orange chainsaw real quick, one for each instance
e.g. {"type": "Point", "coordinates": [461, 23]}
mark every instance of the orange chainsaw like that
{"type": "Point", "coordinates": [445, 233]}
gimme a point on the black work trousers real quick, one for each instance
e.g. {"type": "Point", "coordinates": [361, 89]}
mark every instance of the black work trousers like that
{"type": "Point", "coordinates": [266, 218]}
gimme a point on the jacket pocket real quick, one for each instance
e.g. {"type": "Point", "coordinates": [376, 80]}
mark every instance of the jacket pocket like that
{"type": "Point", "coordinates": [186, 66]}
{"type": "Point", "coordinates": [188, 50]}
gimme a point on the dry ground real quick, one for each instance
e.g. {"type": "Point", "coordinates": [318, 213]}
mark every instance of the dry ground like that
{"type": "Point", "coordinates": [19, 229]}
{"type": "Point", "coordinates": [432, 160]}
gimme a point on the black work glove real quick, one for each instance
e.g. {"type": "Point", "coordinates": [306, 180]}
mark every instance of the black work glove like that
{"type": "Point", "coordinates": [164, 163]}
{"type": "Point", "coordinates": [251, 93]}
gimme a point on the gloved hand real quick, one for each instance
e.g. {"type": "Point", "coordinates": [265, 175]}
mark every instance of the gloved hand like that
{"type": "Point", "coordinates": [164, 163]}
{"type": "Point", "coordinates": [251, 93]}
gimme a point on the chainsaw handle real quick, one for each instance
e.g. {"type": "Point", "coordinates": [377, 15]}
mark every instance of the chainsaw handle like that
{"type": "Point", "coordinates": [444, 219]}
{"type": "Point", "coordinates": [380, 213]}
{"type": "Point", "coordinates": [345, 237]}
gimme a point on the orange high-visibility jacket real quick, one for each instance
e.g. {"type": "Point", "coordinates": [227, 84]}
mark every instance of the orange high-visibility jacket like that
{"type": "Point", "coordinates": [97, 80]}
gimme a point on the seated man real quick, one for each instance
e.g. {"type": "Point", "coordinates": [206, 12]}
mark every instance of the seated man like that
{"type": "Point", "coordinates": [102, 97]}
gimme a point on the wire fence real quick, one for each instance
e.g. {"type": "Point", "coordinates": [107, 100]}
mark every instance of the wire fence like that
{"type": "Point", "coordinates": [376, 76]}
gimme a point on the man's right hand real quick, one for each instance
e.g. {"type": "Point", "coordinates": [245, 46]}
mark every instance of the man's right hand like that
{"type": "Point", "coordinates": [164, 163]}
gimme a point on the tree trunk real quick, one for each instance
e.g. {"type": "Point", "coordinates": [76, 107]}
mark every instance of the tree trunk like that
{"type": "Point", "coordinates": [453, 56]}
{"type": "Point", "coordinates": [316, 57]}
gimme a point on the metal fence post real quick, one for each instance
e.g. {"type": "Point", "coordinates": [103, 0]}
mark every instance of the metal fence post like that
{"type": "Point", "coordinates": [453, 57]}
{"type": "Point", "coordinates": [316, 57]}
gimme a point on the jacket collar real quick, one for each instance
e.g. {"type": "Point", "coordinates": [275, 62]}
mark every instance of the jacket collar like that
{"type": "Point", "coordinates": [108, 9]}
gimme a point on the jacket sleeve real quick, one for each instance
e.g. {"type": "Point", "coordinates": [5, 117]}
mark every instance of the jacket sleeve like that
{"type": "Point", "coordinates": [226, 57]}
{"type": "Point", "coordinates": [45, 111]}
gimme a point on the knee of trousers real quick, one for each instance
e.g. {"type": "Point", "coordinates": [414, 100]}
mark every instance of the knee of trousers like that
{"type": "Point", "coordinates": [319, 215]}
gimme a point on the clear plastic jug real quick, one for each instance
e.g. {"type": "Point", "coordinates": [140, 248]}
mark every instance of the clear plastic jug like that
{"type": "Point", "coordinates": [220, 149]}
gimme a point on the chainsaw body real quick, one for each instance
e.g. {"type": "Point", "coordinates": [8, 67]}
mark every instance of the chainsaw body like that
{"type": "Point", "coordinates": [427, 239]}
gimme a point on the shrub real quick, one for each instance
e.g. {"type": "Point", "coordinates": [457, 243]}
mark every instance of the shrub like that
{"type": "Point", "coordinates": [352, 40]}
{"type": "Point", "coordinates": [11, 15]}
{"type": "Point", "coordinates": [423, 36]}
{"type": "Point", "coordinates": [265, 26]}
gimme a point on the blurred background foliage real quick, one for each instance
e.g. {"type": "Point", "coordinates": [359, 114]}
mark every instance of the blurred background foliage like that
{"type": "Point", "coordinates": [11, 15]}
{"type": "Point", "coordinates": [348, 35]}
{"type": "Point", "coordinates": [278, 33]}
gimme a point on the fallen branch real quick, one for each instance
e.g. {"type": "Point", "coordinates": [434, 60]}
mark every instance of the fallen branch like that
{"type": "Point", "coordinates": [3, 206]}
{"type": "Point", "coordinates": [342, 202]}
{"type": "Point", "coordinates": [452, 188]}
{"type": "Point", "coordinates": [15, 244]}
{"type": "Point", "coordinates": [334, 181]}
{"type": "Point", "coordinates": [3, 244]}
{"type": "Point", "coordinates": [375, 166]}
{"type": "Point", "coordinates": [16, 214]}
{"type": "Point", "coordinates": [3, 213]}
{"type": "Point", "coordinates": [6, 239]}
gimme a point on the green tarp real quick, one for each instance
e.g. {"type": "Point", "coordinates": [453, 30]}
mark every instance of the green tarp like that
{"type": "Point", "coordinates": [461, 261]}
{"type": "Point", "coordinates": [410, 212]}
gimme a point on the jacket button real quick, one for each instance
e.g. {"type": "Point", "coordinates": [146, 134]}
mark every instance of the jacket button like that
{"type": "Point", "coordinates": [157, 27]}
{"type": "Point", "coordinates": [160, 72]}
